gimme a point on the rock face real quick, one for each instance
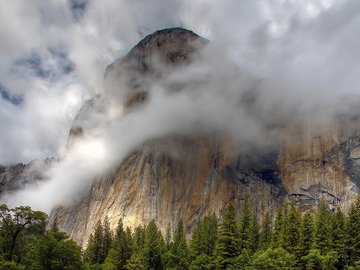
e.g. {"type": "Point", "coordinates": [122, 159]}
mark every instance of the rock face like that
{"type": "Point", "coordinates": [15, 177]}
{"type": "Point", "coordinates": [189, 177]}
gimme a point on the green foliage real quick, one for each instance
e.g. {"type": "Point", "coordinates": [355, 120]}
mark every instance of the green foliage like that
{"type": "Point", "coordinates": [352, 240]}
{"type": "Point", "coordinates": [274, 259]}
{"type": "Point", "coordinates": [322, 230]}
{"type": "Point", "coordinates": [316, 261]}
{"type": "Point", "coordinates": [204, 237]}
{"type": "Point", "coordinates": [121, 250]}
{"type": "Point", "coordinates": [18, 226]}
{"type": "Point", "coordinates": [179, 253]}
{"type": "Point", "coordinates": [227, 247]}
{"type": "Point", "coordinates": [54, 251]}
{"type": "Point", "coordinates": [266, 232]}
{"type": "Point", "coordinates": [203, 262]}
{"type": "Point", "coordinates": [154, 247]}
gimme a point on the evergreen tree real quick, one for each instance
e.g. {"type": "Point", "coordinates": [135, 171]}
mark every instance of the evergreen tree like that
{"type": "Point", "coordinates": [154, 247]}
{"type": "Point", "coordinates": [254, 235]}
{"type": "Point", "coordinates": [54, 251]}
{"type": "Point", "coordinates": [94, 253]}
{"type": "Point", "coordinates": [204, 236]}
{"type": "Point", "coordinates": [227, 247]}
{"type": "Point", "coordinates": [135, 262]}
{"type": "Point", "coordinates": [306, 237]}
{"type": "Point", "coordinates": [245, 225]}
{"type": "Point", "coordinates": [138, 239]}
{"type": "Point", "coordinates": [274, 259]}
{"type": "Point", "coordinates": [292, 230]}
{"type": "Point", "coordinates": [121, 250]}
{"type": "Point", "coordinates": [278, 233]}
{"type": "Point", "coordinates": [179, 252]}
{"type": "Point", "coordinates": [107, 242]}
{"type": "Point", "coordinates": [338, 231]}
{"type": "Point", "coordinates": [266, 232]}
{"type": "Point", "coordinates": [352, 240]}
{"type": "Point", "coordinates": [202, 262]}
{"type": "Point", "coordinates": [322, 230]}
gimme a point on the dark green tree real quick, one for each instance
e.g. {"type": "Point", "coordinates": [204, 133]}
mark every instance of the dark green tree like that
{"type": "Point", "coordinates": [179, 256]}
{"type": "Point", "coordinates": [322, 229]}
{"type": "Point", "coordinates": [352, 240]}
{"type": "Point", "coordinates": [274, 259]}
{"type": "Point", "coordinates": [338, 231]}
{"type": "Point", "coordinates": [306, 237]}
{"type": "Point", "coordinates": [121, 250]}
{"type": "Point", "coordinates": [54, 251]}
{"type": "Point", "coordinates": [94, 253]}
{"type": "Point", "coordinates": [292, 229]}
{"type": "Point", "coordinates": [227, 246]}
{"type": "Point", "coordinates": [154, 247]}
{"type": "Point", "coordinates": [245, 219]}
{"type": "Point", "coordinates": [265, 232]}
{"type": "Point", "coordinates": [17, 226]}
{"type": "Point", "coordinates": [204, 236]}
{"type": "Point", "coordinates": [108, 237]}
{"type": "Point", "coordinates": [279, 226]}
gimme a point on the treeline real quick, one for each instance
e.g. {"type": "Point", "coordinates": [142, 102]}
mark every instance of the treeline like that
{"type": "Point", "coordinates": [313, 241]}
{"type": "Point", "coordinates": [289, 240]}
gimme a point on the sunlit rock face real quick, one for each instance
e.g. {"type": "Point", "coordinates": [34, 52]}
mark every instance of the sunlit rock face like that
{"type": "Point", "coordinates": [199, 174]}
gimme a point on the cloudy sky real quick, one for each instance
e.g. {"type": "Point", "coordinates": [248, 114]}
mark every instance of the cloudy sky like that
{"type": "Point", "coordinates": [53, 53]}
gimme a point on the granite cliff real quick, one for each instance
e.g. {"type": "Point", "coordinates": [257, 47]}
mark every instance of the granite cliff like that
{"type": "Point", "coordinates": [192, 176]}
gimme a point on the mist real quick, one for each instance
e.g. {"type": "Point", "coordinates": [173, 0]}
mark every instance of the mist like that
{"type": "Point", "coordinates": [269, 66]}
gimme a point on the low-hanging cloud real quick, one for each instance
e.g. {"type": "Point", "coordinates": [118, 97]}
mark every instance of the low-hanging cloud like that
{"type": "Point", "coordinates": [269, 64]}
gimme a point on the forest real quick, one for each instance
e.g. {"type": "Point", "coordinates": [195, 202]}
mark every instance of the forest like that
{"type": "Point", "coordinates": [288, 239]}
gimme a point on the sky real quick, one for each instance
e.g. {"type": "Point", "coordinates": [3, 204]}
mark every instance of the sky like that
{"type": "Point", "coordinates": [54, 53]}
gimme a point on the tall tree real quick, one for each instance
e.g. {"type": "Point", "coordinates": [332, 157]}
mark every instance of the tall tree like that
{"type": "Point", "coordinates": [204, 237]}
{"type": "Point", "coordinates": [265, 232]}
{"type": "Point", "coordinates": [227, 247]}
{"type": "Point", "coordinates": [245, 219]}
{"type": "Point", "coordinates": [306, 237]}
{"type": "Point", "coordinates": [278, 233]}
{"type": "Point", "coordinates": [108, 237]}
{"type": "Point", "coordinates": [154, 247]}
{"type": "Point", "coordinates": [352, 233]}
{"type": "Point", "coordinates": [322, 230]}
{"type": "Point", "coordinates": [54, 251]}
{"type": "Point", "coordinates": [94, 253]}
{"type": "Point", "coordinates": [121, 250]}
{"type": "Point", "coordinates": [15, 224]}
{"type": "Point", "coordinates": [292, 231]}
{"type": "Point", "coordinates": [179, 252]}
{"type": "Point", "coordinates": [338, 232]}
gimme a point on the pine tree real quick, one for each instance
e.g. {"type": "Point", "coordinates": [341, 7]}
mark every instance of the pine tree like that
{"type": "Point", "coordinates": [338, 232]}
{"type": "Point", "coordinates": [253, 235]}
{"type": "Point", "coordinates": [138, 239]}
{"type": "Point", "coordinates": [292, 229]}
{"type": "Point", "coordinates": [204, 237]}
{"type": "Point", "coordinates": [306, 237]}
{"type": "Point", "coordinates": [94, 253]}
{"type": "Point", "coordinates": [227, 247]}
{"type": "Point", "coordinates": [179, 252]}
{"type": "Point", "coordinates": [278, 233]}
{"type": "Point", "coordinates": [322, 230]}
{"type": "Point", "coordinates": [266, 232]}
{"type": "Point", "coordinates": [107, 242]}
{"type": "Point", "coordinates": [245, 225]}
{"type": "Point", "coordinates": [154, 247]}
{"type": "Point", "coordinates": [352, 240]}
{"type": "Point", "coordinates": [121, 250]}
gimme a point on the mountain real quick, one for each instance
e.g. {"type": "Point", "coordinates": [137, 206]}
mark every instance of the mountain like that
{"type": "Point", "coordinates": [192, 176]}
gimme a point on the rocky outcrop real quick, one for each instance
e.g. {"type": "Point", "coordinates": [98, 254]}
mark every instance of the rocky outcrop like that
{"type": "Point", "coordinates": [17, 176]}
